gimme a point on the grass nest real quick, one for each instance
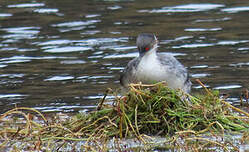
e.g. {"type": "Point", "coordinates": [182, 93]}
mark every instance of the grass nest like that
{"type": "Point", "coordinates": [145, 114]}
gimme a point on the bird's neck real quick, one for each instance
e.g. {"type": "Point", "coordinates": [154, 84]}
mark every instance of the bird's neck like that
{"type": "Point", "coordinates": [149, 67]}
{"type": "Point", "coordinates": [149, 59]}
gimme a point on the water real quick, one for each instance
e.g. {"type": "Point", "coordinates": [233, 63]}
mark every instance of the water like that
{"type": "Point", "coordinates": [63, 55]}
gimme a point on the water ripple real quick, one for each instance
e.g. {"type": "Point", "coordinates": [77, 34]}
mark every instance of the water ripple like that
{"type": "Point", "coordinates": [236, 9]}
{"type": "Point", "coordinates": [116, 7]}
{"type": "Point", "coordinates": [202, 29]}
{"type": "Point", "coordinates": [198, 45]}
{"type": "Point", "coordinates": [14, 37]}
{"type": "Point", "coordinates": [199, 66]}
{"type": "Point", "coordinates": [185, 8]}
{"type": "Point", "coordinates": [90, 32]}
{"type": "Point", "coordinates": [3, 65]}
{"type": "Point", "coordinates": [11, 76]}
{"type": "Point", "coordinates": [86, 42]}
{"type": "Point", "coordinates": [68, 49]}
{"type": "Point", "coordinates": [73, 62]}
{"type": "Point", "coordinates": [26, 5]}
{"type": "Point", "coordinates": [232, 42]}
{"type": "Point", "coordinates": [193, 45]}
{"type": "Point", "coordinates": [101, 77]}
{"type": "Point", "coordinates": [46, 10]}
{"type": "Point", "coordinates": [118, 47]}
{"type": "Point", "coordinates": [15, 59]}
{"type": "Point", "coordinates": [181, 38]}
{"type": "Point", "coordinates": [235, 86]}
{"type": "Point", "coordinates": [99, 97]}
{"type": "Point", "coordinates": [213, 20]}
{"type": "Point", "coordinates": [75, 23]}
{"type": "Point", "coordinates": [100, 41]}
{"type": "Point", "coordinates": [21, 32]}
{"type": "Point", "coordinates": [92, 15]}
{"type": "Point", "coordinates": [5, 14]}
{"type": "Point", "coordinates": [239, 64]}
{"type": "Point", "coordinates": [22, 59]}
{"type": "Point", "coordinates": [59, 78]}
{"type": "Point", "coordinates": [243, 49]}
{"type": "Point", "coordinates": [127, 55]}
{"type": "Point", "coordinates": [199, 86]}
{"type": "Point", "coordinates": [200, 75]}
{"type": "Point", "coordinates": [12, 96]}
{"type": "Point", "coordinates": [55, 42]}
{"type": "Point", "coordinates": [101, 44]}
{"type": "Point", "coordinates": [69, 108]}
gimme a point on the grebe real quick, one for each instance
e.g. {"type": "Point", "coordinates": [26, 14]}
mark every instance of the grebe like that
{"type": "Point", "coordinates": [151, 67]}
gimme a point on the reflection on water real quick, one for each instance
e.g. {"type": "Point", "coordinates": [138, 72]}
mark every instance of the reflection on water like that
{"type": "Point", "coordinates": [187, 8]}
{"type": "Point", "coordinates": [236, 9]}
{"type": "Point", "coordinates": [26, 5]}
{"type": "Point", "coordinates": [63, 55]}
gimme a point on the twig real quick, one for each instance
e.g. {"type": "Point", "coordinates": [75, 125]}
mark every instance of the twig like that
{"type": "Point", "coordinates": [207, 90]}
{"type": "Point", "coordinates": [103, 99]}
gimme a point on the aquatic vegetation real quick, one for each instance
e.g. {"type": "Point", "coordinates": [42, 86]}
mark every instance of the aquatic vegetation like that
{"type": "Point", "coordinates": [148, 117]}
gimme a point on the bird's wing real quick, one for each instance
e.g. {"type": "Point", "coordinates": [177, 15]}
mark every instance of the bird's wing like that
{"type": "Point", "coordinates": [128, 74]}
{"type": "Point", "coordinates": [173, 65]}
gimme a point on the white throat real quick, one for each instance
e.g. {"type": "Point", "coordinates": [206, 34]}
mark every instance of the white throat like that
{"type": "Point", "coordinates": [149, 68]}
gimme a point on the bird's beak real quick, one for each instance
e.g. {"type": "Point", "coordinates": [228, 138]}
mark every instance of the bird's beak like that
{"type": "Point", "coordinates": [156, 39]}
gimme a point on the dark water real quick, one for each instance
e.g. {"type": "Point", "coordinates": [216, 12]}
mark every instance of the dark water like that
{"type": "Point", "coordinates": [61, 55]}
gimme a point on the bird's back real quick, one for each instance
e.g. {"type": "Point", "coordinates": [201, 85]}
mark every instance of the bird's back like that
{"type": "Point", "coordinates": [177, 70]}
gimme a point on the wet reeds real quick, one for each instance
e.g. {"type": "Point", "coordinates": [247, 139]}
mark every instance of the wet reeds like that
{"type": "Point", "coordinates": [154, 116]}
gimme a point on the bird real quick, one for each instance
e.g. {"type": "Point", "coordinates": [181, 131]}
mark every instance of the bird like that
{"type": "Point", "coordinates": [152, 67]}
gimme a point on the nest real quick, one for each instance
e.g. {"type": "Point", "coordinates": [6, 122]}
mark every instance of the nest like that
{"type": "Point", "coordinates": [185, 122]}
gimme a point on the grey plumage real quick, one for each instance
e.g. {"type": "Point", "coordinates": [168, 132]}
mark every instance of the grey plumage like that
{"type": "Point", "coordinates": [129, 73]}
{"type": "Point", "coordinates": [176, 68]}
